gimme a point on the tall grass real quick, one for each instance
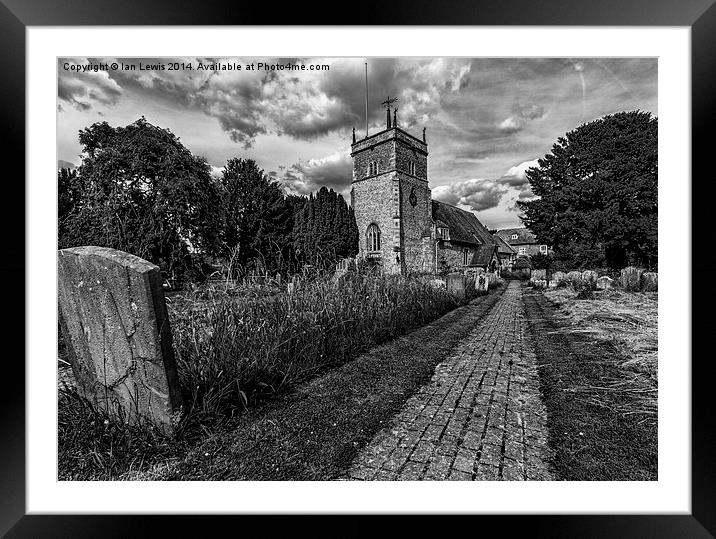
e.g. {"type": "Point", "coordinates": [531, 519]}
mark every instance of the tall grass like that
{"type": "Point", "coordinates": [233, 346]}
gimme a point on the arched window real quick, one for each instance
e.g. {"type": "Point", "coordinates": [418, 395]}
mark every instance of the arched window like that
{"type": "Point", "coordinates": [372, 168]}
{"type": "Point", "coordinates": [465, 257]}
{"type": "Point", "coordinates": [372, 237]}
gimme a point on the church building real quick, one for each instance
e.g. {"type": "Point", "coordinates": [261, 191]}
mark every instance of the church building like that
{"type": "Point", "coordinates": [400, 227]}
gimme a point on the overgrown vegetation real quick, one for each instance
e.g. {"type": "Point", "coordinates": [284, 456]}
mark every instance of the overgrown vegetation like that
{"type": "Point", "coordinates": [238, 344]}
{"type": "Point", "coordinates": [598, 368]}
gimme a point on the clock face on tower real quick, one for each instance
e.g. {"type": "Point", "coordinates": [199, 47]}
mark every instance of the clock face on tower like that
{"type": "Point", "coordinates": [413, 199]}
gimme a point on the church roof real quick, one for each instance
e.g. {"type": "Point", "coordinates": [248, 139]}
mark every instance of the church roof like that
{"type": "Point", "coordinates": [464, 226]}
{"type": "Point", "coordinates": [502, 245]}
{"type": "Point", "coordinates": [483, 255]}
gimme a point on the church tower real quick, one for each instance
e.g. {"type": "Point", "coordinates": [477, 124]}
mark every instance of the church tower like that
{"type": "Point", "coordinates": [391, 199]}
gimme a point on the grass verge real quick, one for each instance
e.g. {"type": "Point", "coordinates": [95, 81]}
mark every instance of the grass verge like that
{"type": "Point", "coordinates": [601, 404]}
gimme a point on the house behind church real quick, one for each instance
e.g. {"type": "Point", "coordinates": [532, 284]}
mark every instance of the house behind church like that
{"type": "Point", "coordinates": [523, 241]}
{"type": "Point", "coordinates": [402, 229]}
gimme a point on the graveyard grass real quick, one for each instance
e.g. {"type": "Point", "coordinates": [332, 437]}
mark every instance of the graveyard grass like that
{"type": "Point", "coordinates": [240, 346]}
{"type": "Point", "coordinates": [598, 370]}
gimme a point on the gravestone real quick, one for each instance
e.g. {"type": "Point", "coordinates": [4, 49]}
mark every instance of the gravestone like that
{"type": "Point", "coordinates": [575, 279]}
{"type": "Point", "coordinates": [437, 283]}
{"type": "Point", "coordinates": [558, 277]}
{"type": "Point", "coordinates": [631, 278]}
{"type": "Point", "coordinates": [650, 281]}
{"type": "Point", "coordinates": [605, 283]}
{"type": "Point", "coordinates": [115, 324]}
{"type": "Point", "coordinates": [590, 279]}
{"type": "Point", "coordinates": [456, 284]}
{"type": "Point", "coordinates": [482, 283]}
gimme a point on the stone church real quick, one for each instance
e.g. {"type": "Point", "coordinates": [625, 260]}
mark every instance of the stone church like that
{"type": "Point", "coordinates": [401, 228]}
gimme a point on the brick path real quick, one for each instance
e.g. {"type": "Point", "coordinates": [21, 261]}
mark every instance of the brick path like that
{"type": "Point", "coordinates": [479, 418]}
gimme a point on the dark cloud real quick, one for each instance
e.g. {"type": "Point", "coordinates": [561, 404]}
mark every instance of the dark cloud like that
{"type": "Point", "coordinates": [83, 89]}
{"type": "Point", "coordinates": [334, 172]}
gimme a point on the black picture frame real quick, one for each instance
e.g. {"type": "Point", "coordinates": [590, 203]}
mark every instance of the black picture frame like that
{"type": "Point", "coordinates": [699, 15]}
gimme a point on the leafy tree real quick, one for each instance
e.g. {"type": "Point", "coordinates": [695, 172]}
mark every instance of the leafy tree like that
{"type": "Point", "coordinates": [325, 229]}
{"type": "Point", "coordinates": [541, 261]}
{"type": "Point", "coordinates": [258, 218]}
{"type": "Point", "coordinates": [597, 193]}
{"type": "Point", "coordinates": [140, 190]}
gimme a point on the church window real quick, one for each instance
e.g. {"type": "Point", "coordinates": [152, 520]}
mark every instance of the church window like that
{"type": "Point", "coordinates": [373, 238]}
{"type": "Point", "coordinates": [514, 236]}
{"type": "Point", "coordinates": [543, 249]}
{"type": "Point", "coordinates": [373, 168]}
{"type": "Point", "coordinates": [465, 257]}
{"type": "Point", "coordinates": [411, 168]}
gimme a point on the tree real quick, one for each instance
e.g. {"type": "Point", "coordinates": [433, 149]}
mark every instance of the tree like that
{"type": "Point", "coordinates": [258, 218]}
{"type": "Point", "coordinates": [140, 190]}
{"type": "Point", "coordinates": [325, 229]}
{"type": "Point", "coordinates": [597, 193]}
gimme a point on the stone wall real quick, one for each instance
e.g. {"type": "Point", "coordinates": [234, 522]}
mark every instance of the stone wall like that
{"type": "Point", "coordinates": [384, 199]}
{"type": "Point", "coordinates": [416, 223]}
{"type": "Point", "coordinates": [373, 203]}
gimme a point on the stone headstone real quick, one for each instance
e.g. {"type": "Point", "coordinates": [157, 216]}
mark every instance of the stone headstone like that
{"type": "Point", "coordinates": [456, 284]}
{"type": "Point", "coordinates": [590, 278]}
{"type": "Point", "coordinates": [437, 283]}
{"type": "Point", "coordinates": [650, 281]}
{"type": "Point", "coordinates": [575, 278]}
{"type": "Point", "coordinates": [604, 283]}
{"type": "Point", "coordinates": [115, 324]}
{"type": "Point", "coordinates": [482, 283]}
{"type": "Point", "coordinates": [631, 278]}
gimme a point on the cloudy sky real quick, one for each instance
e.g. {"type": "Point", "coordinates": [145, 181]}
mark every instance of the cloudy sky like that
{"type": "Point", "coordinates": [487, 119]}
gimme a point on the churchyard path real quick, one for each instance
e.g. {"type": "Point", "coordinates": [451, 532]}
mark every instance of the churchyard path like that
{"type": "Point", "coordinates": [480, 417]}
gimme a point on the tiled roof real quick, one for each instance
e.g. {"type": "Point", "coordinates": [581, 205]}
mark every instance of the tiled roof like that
{"type": "Point", "coordinates": [524, 236]}
{"type": "Point", "coordinates": [483, 255]}
{"type": "Point", "coordinates": [503, 246]}
{"type": "Point", "coordinates": [464, 226]}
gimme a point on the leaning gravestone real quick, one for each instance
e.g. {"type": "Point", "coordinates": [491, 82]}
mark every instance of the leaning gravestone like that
{"type": "Point", "coordinates": [456, 284]}
{"type": "Point", "coordinates": [115, 323]}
